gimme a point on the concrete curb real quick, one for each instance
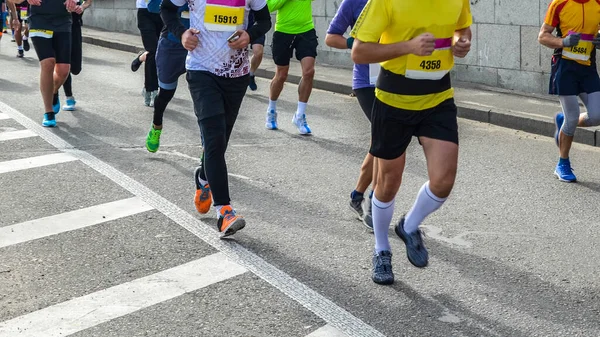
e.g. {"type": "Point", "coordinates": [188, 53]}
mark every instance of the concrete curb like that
{"type": "Point", "coordinates": [504, 118]}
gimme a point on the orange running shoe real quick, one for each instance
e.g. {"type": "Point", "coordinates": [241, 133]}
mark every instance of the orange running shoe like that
{"type": "Point", "coordinates": [229, 223]}
{"type": "Point", "coordinates": [203, 197]}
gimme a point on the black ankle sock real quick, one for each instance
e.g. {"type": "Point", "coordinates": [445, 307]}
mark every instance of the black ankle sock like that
{"type": "Point", "coordinates": [55, 99]}
{"type": "Point", "coordinates": [50, 115]}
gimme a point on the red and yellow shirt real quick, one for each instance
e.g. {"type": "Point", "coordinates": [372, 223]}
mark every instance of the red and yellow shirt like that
{"type": "Point", "coordinates": [576, 16]}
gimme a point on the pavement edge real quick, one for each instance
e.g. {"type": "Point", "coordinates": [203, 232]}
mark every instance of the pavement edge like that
{"type": "Point", "coordinates": [498, 117]}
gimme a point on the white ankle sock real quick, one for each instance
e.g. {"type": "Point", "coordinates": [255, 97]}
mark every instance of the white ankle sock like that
{"type": "Point", "coordinates": [425, 204]}
{"type": "Point", "coordinates": [272, 106]}
{"type": "Point", "coordinates": [382, 216]}
{"type": "Point", "coordinates": [301, 109]}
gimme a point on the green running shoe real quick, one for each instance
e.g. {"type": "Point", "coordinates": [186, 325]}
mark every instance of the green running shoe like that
{"type": "Point", "coordinates": [153, 140]}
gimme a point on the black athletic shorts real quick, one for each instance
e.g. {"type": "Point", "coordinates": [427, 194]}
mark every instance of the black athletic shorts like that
{"type": "Point", "coordinates": [283, 46]}
{"type": "Point", "coordinates": [261, 41]}
{"type": "Point", "coordinates": [50, 44]}
{"type": "Point", "coordinates": [366, 98]}
{"type": "Point", "coordinates": [392, 129]}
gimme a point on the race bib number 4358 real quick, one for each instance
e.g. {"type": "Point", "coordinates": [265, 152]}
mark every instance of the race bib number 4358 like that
{"type": "Point", "coordinates": [224, 15]}
{"type": "Point", "coordinates": [432, 67]}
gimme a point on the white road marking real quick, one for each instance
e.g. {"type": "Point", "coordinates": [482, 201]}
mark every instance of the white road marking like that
{"type": "Point", "coordinates": [84, 312]}
{"type": "Point", "coordinates": [327, 331]}
{"type": "Point", "coordinates": [10, 135]}
{"type": "Point", "coordinates": [56, 224]}
{"type": "Point", "coordinates": [324, 308]}
{"type": "Point", "coordinates": [33, 162]}
{"type": "Point", "coordinates": [4, 116]}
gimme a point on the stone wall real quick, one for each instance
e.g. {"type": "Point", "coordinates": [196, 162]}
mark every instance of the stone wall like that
{"type": "Point", "coordinates": [505, 51]}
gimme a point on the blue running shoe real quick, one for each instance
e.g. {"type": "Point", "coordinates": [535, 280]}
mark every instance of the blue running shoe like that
{"type": "Point", "coordinates": [415, 249]}
{"type": "Point", "coordinates": [271, 123]}
{"type": "Point", "coordinates": [564, 172]}
{"type": "Point", "coordinates": [49, 121]}
{"type": "Point", "coordinates": [70, 104]}
{"type": "Point", "coordinates": [382, 268]}
{"type": "Point", "coordinates": [56, 107]}
{"type": "Point", "coordinates": [301, 124]}
{"type": "Point", "coordinates": [252, 84]}
{"type": "Point", "coordinates": [559, 119]}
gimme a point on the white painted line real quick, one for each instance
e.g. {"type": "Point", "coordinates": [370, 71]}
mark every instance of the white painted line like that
{"type": "Point", "coordinates": [10, 135]}
{"type": "Point", "coordinates": [60, 223]}
{"type": "Point", "coordinates": [33, 162]}
{"type": "Point", "coordinates": [4, 116]}
{"type": "Point", "coordinates": [327, 331]}
{"type": "Point", "coordinates": [307, 297]}
{"type": "Point", "coordinates": [84, 312]}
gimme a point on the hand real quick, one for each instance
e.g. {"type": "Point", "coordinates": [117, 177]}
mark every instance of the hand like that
{"type": "Point", "coordinates": [571, 40]}
{"type": "Point", "coordinates": [189, 39]}
{"type": "Point", "coordinates": [462, 47]}
{"type": "Point", "coordinates": [423, 45]}
{"type": "Point", "coordinates": [35, 2]}
{"type": "Point", "coordinates": [71, 5]}
{"type": "Point", "coordinates": [15, 24]}
{"type": "Point", "coordinates": [242, 42]}
{"type": "Point", "coordinates": [79, 10]}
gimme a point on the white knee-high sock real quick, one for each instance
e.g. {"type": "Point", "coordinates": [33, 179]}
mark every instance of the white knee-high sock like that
{"type": "Point", "coordinates": [425, 204]}
{"type": "Point", "coordinates": [382, 216]}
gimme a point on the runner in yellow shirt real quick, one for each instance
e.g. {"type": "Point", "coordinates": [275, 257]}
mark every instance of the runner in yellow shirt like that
{"type": "Point", "coordinates": [415, 42]}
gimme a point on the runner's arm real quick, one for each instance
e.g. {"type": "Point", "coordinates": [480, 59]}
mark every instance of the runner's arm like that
{"type": "Point", "coordinates": [86, 4]}
{"type": "Point", "coordinates": [262, 25]}
{"type": "Point", "coordinates": [168, 13]}
{"type": "Point", "coordinates": [340, 23]}
{"type": "Point", "coordinates": [12, 8]}
{"type": "Point", "coordinates": [368, 52]}
{"type": "Point", "coordinates": [547, 39]}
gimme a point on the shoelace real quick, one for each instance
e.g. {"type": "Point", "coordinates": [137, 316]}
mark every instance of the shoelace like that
{"type": "Point", "coordinates": [228, 214]}
{"type": "Point", "coordinates": [205, 191]}
{"type": "Point", "coordinates": [383, 263]}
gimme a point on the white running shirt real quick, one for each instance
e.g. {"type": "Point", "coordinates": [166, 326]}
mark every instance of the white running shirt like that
{"type": "Point", "coordinates": [217, 20]}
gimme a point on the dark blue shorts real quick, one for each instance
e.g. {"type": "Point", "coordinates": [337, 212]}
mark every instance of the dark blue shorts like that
{"type": "Point", "coordinates": [170, 62]}
{"type": "Point", "coordinates": [569, 78]}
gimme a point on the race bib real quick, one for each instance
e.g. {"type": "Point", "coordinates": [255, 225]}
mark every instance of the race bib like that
{"type": "Point", "coordinates": [434, 66]}
{"type": "Point", "coordinates": [185, 15]}
{"type": "Point", "coordinates": [224, 15]}
{"type": "Point", "coordinates": [582, 51]}
{"type": "Point", "coordinates": [374, 70]}
{"type": "Point", "coordinates": [47, 34]}
{"type": "Point", "coordinates": [23, 12]}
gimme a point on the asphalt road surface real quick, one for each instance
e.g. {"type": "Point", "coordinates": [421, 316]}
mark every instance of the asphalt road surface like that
{"type": "Point", "coordinates": [98, 237]}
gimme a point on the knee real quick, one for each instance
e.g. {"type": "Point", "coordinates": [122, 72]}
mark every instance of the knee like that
{"type": "Point", "coordinates": [281, 75]}
{"type": "Point", "coordinates": [569, 125]}
{"type": "Point", "coordinates": [387, 185]}
{"type": "Point", "coordinates": [308, 73]}
{"type": "Point", "coordinates": [442, 186]}
{"type": "Point", "coordinates": [62, 71]}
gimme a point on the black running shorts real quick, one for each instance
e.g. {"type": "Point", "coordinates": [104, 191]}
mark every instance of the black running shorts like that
{"type": "Point", "coordinates": [392, 129]}
{"type": "Point", "coordinates": [50, 44]}
{"type": "Point", "coordinates": [283, 46]}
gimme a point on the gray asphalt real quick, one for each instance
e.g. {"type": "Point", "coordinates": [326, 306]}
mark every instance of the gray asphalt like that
{"type": "Point", "coordinates": [513, 251]}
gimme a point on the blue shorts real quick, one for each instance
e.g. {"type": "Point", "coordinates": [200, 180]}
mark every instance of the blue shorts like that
{"type": "Point", "coordinates": [569, 78]}
{"type": "Point", "coordinates": [170, 63]}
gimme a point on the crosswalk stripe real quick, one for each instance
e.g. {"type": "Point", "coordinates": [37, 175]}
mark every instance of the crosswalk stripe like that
{"type": "Point", "coordinates": [84, 312]}
{"type": "Point", "coordinates": [10, 135]}
{"type": "Point", "coordinates": [4, 116]}
{"type": "Point", "coordinates": [33, 162]}
{"type": "Point", "coordinates": [56, 224]}
{"type": "Point", "coordinates": [327, 331]}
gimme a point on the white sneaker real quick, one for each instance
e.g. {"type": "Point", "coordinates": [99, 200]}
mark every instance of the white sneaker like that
{"type": "Point", "coordinates": [301, 124]}
{"type": "Point", "coordinates": [271, 123]}
{"type": "Point", "coordinates": [70, 104]}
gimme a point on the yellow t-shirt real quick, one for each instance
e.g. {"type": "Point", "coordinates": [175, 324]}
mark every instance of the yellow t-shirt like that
{"type": "Point", "coordinates": [392, 21]}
